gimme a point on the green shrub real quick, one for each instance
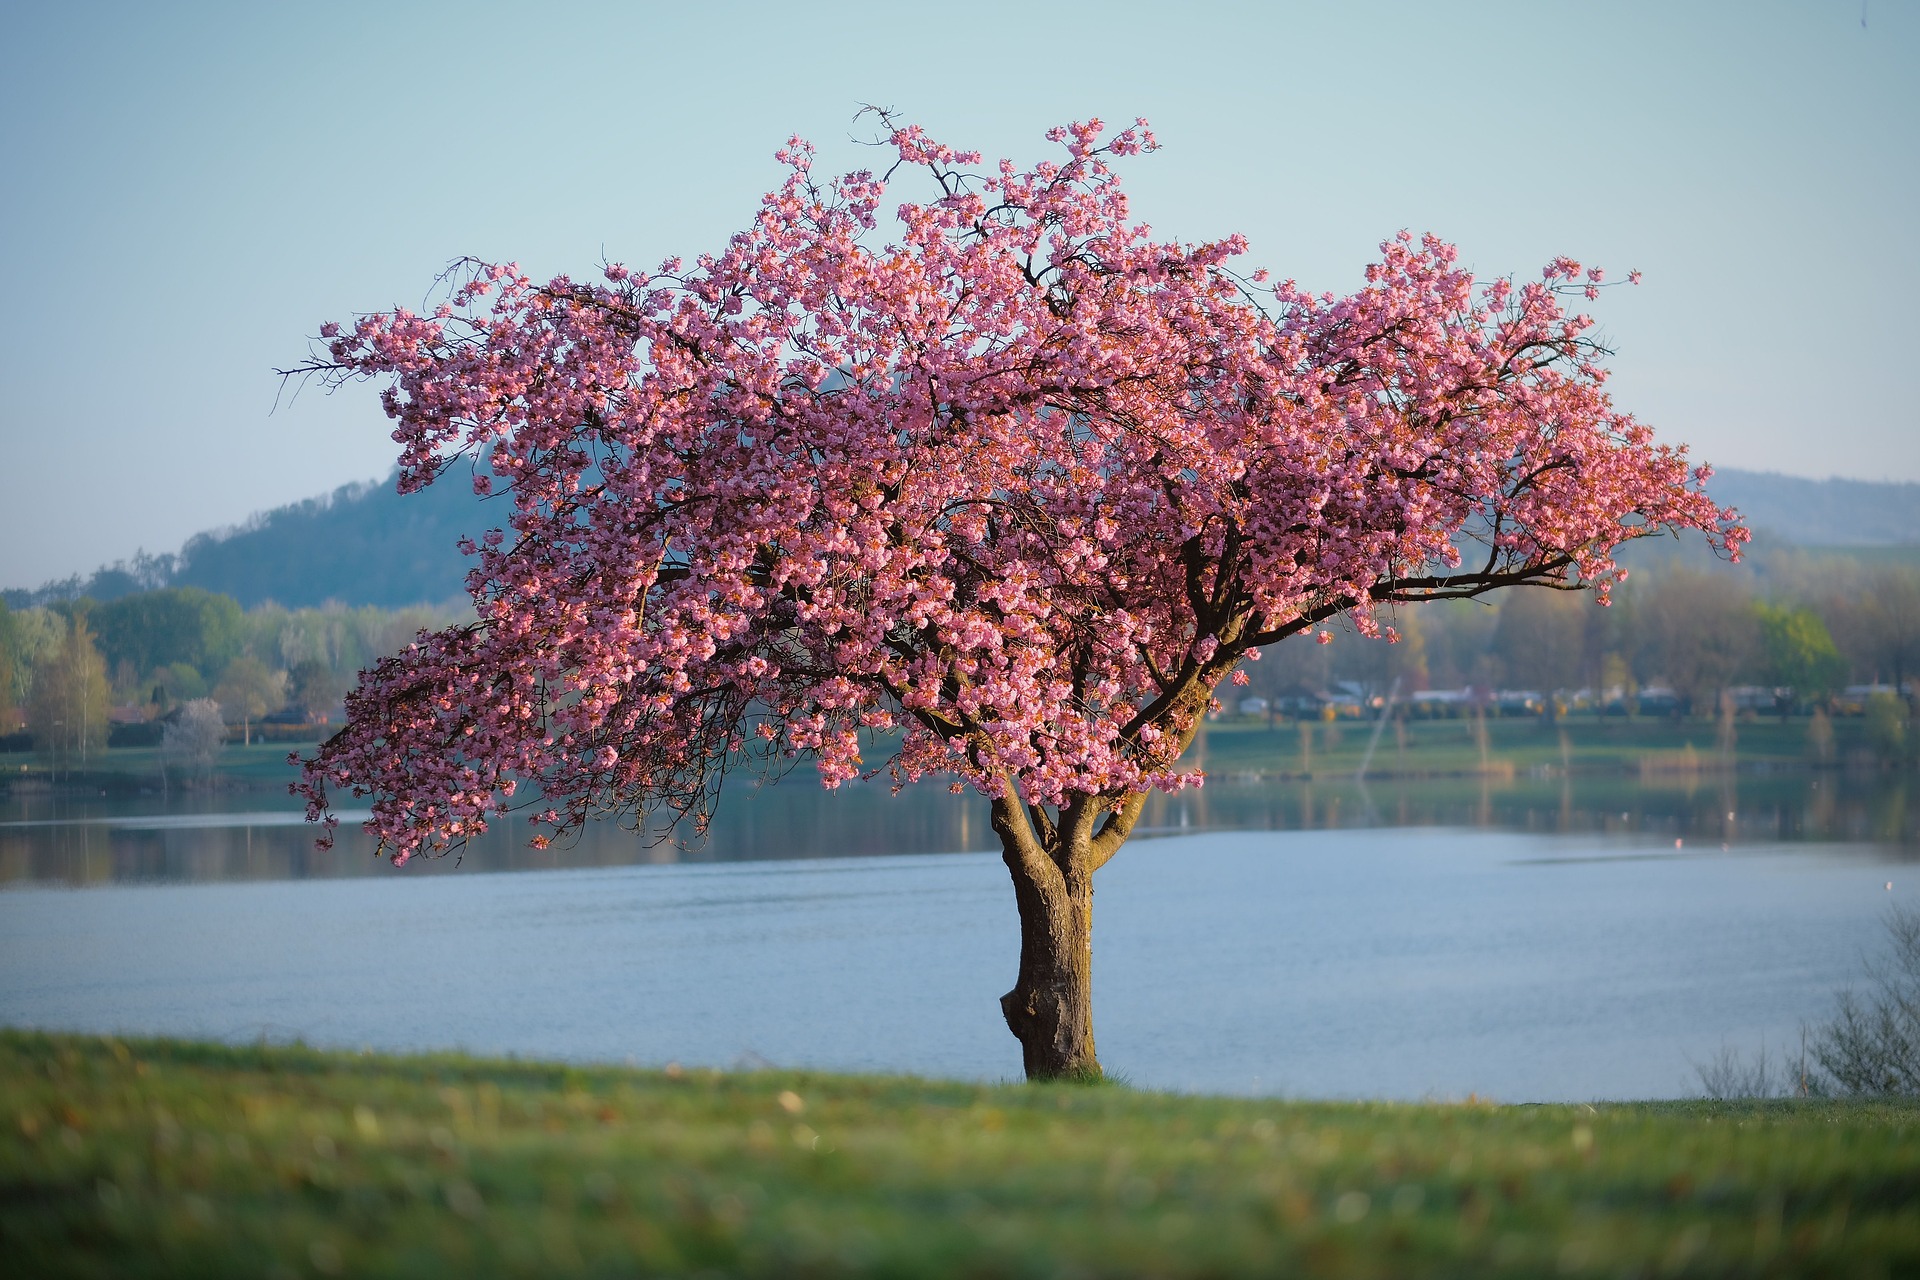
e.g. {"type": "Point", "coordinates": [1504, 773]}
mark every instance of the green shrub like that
{"type": "Point", "coordinates": [1887, 726]}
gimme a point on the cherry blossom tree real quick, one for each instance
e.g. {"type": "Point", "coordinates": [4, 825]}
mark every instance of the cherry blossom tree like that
{"type": "Point", "coordinates": [1002, 491]}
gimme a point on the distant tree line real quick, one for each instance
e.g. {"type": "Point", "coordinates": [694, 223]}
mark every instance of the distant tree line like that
{"type": "Point", "coordinates": [76, 672]}
{"type": "Point", "coordinates": [1800, 627]}
{"type": "Point", "coordinates": [1792, 633]}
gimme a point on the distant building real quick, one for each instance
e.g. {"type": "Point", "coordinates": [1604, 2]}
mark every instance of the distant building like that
{"type": "Point", "coordinates": [1658, 700]}
{"type": "Point", "coordinates": [1519, 702]}
{"type": "Point", "coordinates": [1440, 702]}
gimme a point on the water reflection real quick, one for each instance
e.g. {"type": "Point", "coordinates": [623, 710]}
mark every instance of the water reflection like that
{"type": "Point", "coordinates": [253, 836]}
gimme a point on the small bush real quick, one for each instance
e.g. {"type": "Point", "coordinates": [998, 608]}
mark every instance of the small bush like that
{"type": "Point", "coordinates": [193, 740]}
{"type": "Point", "coordinates": [1731, 1074]}
{"type": "Point", "coordinates": [1869, 1048]}
{"type": "Point", "coordinates": [1887, 726]}
{"type": "Point", "coordinates": [1872, 1044]}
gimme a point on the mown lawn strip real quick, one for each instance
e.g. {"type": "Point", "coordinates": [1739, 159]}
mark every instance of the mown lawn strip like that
{"type": "Point", "coordinates": [166, 1158]}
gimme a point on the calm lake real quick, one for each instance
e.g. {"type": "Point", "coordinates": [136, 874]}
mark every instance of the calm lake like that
{"type": "Point", "coordinates": [1292, 939]}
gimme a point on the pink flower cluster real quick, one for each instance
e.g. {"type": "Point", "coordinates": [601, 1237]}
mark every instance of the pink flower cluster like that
{"type": "Point", "coordinates": [1024, 484]}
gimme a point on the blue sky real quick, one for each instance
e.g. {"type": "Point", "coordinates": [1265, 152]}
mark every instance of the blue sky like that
{"type": "Point", "coordinates": [190, 190]}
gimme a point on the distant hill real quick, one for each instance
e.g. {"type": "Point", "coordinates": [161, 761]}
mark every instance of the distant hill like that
{"type": "Point", "coordinates": [1822, 513]}
{"type": "Point", "coordinates": [364, 544]}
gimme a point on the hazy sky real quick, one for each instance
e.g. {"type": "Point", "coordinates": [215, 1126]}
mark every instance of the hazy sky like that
{"type": "Point", "coordinates": [187, 192]}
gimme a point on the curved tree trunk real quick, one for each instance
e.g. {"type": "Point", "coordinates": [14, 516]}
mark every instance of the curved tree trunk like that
{"type": "Point", "coordinates": [1052, 858]}
{"type": "Point", "coordinates": [1050, 1009]}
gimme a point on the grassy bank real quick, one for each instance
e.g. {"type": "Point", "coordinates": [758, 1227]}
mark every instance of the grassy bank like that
{"type": "Point", "coordinates": [135, 770]}
{"type": "Point", "coordinates": [1581, 744]}
{"type": "Point", "coordinates": [1645, 748]}
{"type": "Point", "coordinates": [157, 1158]}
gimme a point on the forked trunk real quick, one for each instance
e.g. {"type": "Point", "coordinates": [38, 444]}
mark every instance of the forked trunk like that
{"type": "Point", "coordinates": [1050, 1009]}
{"type": "Point", "coordinates": [1052, 858]}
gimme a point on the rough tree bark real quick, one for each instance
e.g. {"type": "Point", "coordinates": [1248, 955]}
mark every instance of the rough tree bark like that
{"type": "Point", "coordinates": [1051, 858]}
{"type": "Point", "coordinates": [1050, 1009]}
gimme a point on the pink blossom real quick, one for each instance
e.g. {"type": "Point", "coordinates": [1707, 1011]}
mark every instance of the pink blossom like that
{"type": "Point", "coordinates": [1024, 482]}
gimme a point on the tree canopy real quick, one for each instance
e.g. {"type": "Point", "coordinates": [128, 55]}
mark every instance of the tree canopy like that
{"type": "Point", "coordinates": [1799, 649]}
{"type": "Point", "coordinates": [1024, 481]}
{"type": "Point", "coordinates": [68, 713]}
{"type": "Point", "coordinates": [178, 624]}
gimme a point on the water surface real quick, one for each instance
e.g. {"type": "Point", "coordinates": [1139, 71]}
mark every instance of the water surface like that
{"type": "Point", "coordinates": [257, 836]}
{"type": "Point", "coordinates": [1372, 962]}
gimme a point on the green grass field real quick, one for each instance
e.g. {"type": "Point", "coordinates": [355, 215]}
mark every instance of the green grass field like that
{"type": "Point", "coordinates": [163, 1158]}
{"type": "Point", "coordinates": [262, 766]}
{"type": "Point", "coordinates": [1581, 744]}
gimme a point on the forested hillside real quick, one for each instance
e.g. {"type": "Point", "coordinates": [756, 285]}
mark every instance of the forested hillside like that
{"type": "Point", "coordinates": [361, 545]}
{"type": "Point", "coordinates": [1823, 513]}
{"type": "Point", "coordinates": [364, 544]}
